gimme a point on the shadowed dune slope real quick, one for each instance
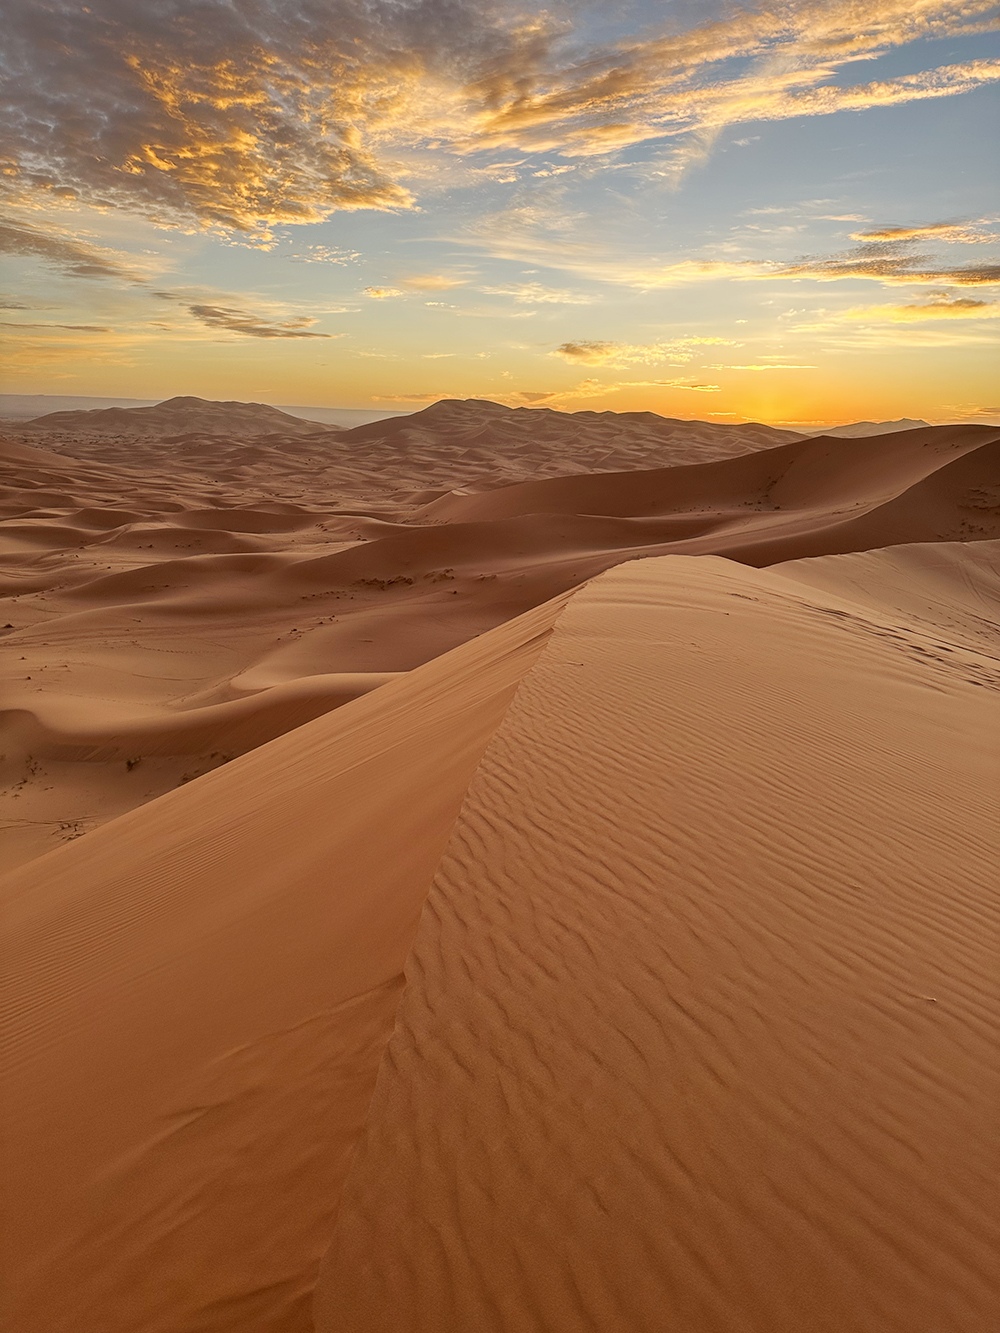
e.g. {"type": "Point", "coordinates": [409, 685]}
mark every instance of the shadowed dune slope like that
{"type": "Point", "coordinates": [138, 601]}
{"type": "Point", "coordinates": [173, 415]}
{"type": "Point", "coordinates": [467, 442]}
{"type": "Point", "coordinates": [804, 472]}
{"type": "Point", "coordinates": [699, 1030]}
{"type": "Point", "coordinates": [196, 997]}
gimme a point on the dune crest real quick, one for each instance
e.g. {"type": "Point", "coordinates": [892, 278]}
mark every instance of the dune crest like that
{"type": "Point", "coordinates": [196, 998]}
{"type": "Point", "coordinates": [699, 1009]}
{"type": "Point", "coordinates": [698, 1025]}
{"type": "Point", "coordinates": [154, 582]}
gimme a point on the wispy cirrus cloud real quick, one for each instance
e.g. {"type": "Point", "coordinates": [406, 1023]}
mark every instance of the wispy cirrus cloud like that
{"type": "Point", "coordinates": [972, 411]}
{"type": "Point", "coordinates": [952, 233]}
{"type": "Point", "coordinates": [244, 322]}
{"type": "Point", "coordinates": [541, 233]}
{"type": "Point", "coordinates": [431, 282]}
{"type": "Point", "coordinates": [617, 355]}
{"type": "Point", "coordinates": [535, 293]}
{"type": "Point", "coordinates": [941, 306]}
{"type": "Point", "coordinates": [892, 263]}
{"type": "Point", "coordinates": [76, 257]}
{"type": "Point", "coordinates": [73, 328]}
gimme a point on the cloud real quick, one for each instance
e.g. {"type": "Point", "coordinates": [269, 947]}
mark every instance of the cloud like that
{"type": "Point", "coordinates": [970, 411]}
{"type": "Point", "coordinates": [431, 282]}
{"type": "Point", "coordinates": [874, 337]}
{"type": "Point", "coordinates": [534, 293]}
{"type": "Point", "coordinates": [892, 263]}
{"type": "Point", "coordinates": [941, 306]}
{"type": "Point", "coordinates": [75, 257]}
{"type": "Point", "coordinates": [254, 326]}
{"type": "Point", "coordinates": [782, 366]}
{"type": "Point", "coordinates": [76, 328]}
{"type": "Point", "coordinates": [617, 355]}
{"type": "Point", "coordinates": [411, 397]}
{"type": "Point", "coordinates": [325, 254]}
{"type": "Point", "coordinates": [695, 386]}
{"type": "Point", "coordinates": [240, 114]}
{"type": "Point", "coordinates": [245, 114]}
{"type": "Point", "coordinates": [781, 63]}
{"type": "Point", "coordinates": [589, 353]}
{"type": "Point", "coordinates": [965, 233]}
{"type": "Point", "coordinates": [381, 293]}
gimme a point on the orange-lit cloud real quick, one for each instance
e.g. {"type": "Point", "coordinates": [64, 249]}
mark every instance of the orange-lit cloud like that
{"type": "Point", "coordinates": [941, 307]}
{"type": "Point", "coordinates": [418, 397]}
{"type": "Point", "coordinates": [430, 282]}
{"type": "Point", "coordinates": [381, 293]}
{"type": "Point", "coordinates": [534, 293]}
{"type": "Point", "coordinates": [247, 116]}
{"type": "Point", "coordinates": [617, 355]}
{"type": "Point", "coordinates": [963, 233]}
{"type": "Point", "coordinates": [253, 326]}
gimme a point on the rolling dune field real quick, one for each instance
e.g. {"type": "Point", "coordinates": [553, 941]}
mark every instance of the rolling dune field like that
{"type": "Point", "coordinates": [535, 899]}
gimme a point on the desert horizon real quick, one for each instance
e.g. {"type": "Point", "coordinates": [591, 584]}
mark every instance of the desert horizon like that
{"type": "Point", "coordinates": [500, 673]}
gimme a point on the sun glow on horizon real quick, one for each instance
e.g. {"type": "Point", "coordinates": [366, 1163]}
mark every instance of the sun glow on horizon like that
{"type": "Point", "coordinates": [760, 216]}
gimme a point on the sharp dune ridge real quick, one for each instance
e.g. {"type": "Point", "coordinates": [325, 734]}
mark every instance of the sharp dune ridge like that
{"type": "Point", "coordinates": [140, 598]}
{"type": "Point", "coordinates": [657, 1067]}
{"type": "Point", "coordinates": [460, 883]}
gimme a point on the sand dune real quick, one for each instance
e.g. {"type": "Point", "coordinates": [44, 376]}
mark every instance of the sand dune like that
{"type": "Point", "coordinates": [196, 1000]}
{"type": "Point", "coordinates": [451, 443]}
{"type": "Point", "coordinates": [857, 429]}
{"type": "Point", "coordinates": [140, 598]}
{"type": "Point", "coordinates": [172, 416]}
{"type": "Point", "coordinates": [697, 1030]}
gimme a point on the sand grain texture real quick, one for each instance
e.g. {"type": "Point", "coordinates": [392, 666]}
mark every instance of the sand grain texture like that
{"type": "Point", "coordinates": [195, 1000]}
{"type": "Point", "coordinates": [699, 1030]}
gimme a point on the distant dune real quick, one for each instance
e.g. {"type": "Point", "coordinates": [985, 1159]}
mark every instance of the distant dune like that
{"type": "Point", "coordinates": [172, 416]}
{"type": "Point", "coordinates": [162, 619]}
{"type": "Point", "coordinates": [859, 429]}
{"type": "Point", "coordinates": [660, 758]}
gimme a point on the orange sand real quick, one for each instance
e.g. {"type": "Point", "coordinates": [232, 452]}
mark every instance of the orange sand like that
{"type": "Point", "coordinates": [154, 581]}
{"type": "Point", "coordinates": [698, 1026]}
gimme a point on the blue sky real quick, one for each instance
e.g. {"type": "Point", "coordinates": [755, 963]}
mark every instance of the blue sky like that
{"type": "Point", "coordinates": [788, 214]}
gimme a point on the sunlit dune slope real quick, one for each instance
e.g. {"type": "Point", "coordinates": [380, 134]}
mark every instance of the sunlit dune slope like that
{"type": "Point", "coordinates": [699, 1025]}
{"type": "Point", "coordinates": [196, 997]}
{"type": "Point", "coordinates": [820, 471]}
{"type": "Point", "coordinates": [699, 1020]}
{"type": "Point", "coordinates": [143, 605]}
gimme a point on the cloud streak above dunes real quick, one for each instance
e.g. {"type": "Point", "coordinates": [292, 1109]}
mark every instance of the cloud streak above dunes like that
{"type": "Point", "coordinates": [253, 326]}
{"type": "Point", "coordinates": [618, 355]}
{"type": "Point", "coordinates": [243, 114]}
{"type": "Point", "coordinates": [77, 258]}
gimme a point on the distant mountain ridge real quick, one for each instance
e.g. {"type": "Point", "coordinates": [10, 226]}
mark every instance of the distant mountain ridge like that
{"type": "Point", "coordinates": [858, 430]}
{"type": "Point", "coordinates": [81, 413]}
{"type": "Point", "coordinates": [23, 407]}
{"type": "Point", "coordinates": [180, 415]}
{"type": "Point", "coordinates": [453, 444]}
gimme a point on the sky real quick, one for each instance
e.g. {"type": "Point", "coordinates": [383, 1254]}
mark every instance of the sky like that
{"type": "Point", "coordinates": [786, 212]}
